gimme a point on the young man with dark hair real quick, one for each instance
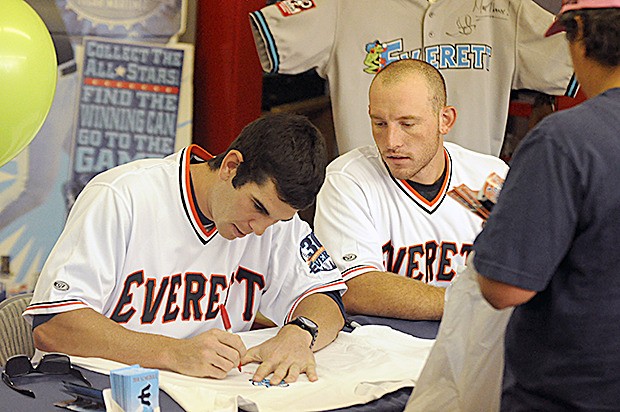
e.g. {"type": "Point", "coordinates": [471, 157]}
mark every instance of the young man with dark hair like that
{"type": "Point", "coordinates": [268, 148]}
{"type": "Point", "coordinates": [152, 248]}
{"type": "Point", "coordinates": [550, 246]}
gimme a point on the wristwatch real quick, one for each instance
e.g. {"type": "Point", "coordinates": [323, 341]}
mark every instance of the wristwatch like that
{"type": "Point", "coordinates": [307, 325]}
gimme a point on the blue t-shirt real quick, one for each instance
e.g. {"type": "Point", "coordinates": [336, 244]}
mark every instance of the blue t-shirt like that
{"type": "Point", "coordinates": [556, 230]}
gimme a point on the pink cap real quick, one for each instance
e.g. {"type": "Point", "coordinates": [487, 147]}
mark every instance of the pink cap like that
{"type": "Point", "coordinates": [568, 5]}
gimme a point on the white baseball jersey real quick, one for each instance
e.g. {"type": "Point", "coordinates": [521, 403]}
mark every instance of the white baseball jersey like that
{"type": "Point", "coordinates": [134, 250]}
{"type": "Point", "coordinates": [482, 48]}
{"type": "Point", "coordinates": [371, 221]}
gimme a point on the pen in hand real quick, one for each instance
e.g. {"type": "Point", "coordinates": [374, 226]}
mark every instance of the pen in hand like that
{"type": "Point", "coordinates": [227, 324]}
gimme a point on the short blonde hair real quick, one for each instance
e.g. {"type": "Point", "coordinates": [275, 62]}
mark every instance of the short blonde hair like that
{"type": "Point", "coordinates": [400, 69]}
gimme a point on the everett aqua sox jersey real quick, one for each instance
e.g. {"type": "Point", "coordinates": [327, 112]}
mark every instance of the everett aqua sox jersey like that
{"type": "Point", "coordinates": [134, 250]}
{"type": "Point", "coordinates": [482, 48]}
{"type": "Point", "coordinates": [370, 221]}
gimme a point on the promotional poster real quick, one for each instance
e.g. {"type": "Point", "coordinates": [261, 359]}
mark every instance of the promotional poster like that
{"type": "Point", "coordinates": [123, 92]}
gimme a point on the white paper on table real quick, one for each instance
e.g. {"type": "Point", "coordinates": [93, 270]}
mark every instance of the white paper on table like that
{"type": "Point", "coordinates": [357, 368]}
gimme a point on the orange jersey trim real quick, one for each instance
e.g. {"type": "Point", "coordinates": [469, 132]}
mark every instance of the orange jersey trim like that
{"type": "Point", "coordinates": [203, 154]}
{"type": "Point", "coordinates": [441, 193]}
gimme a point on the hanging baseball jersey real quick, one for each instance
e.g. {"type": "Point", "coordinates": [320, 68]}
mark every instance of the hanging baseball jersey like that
{"type": "Point", "coordinates": [371, 221]}
{"type": "Point", "coordinates": [483, 50]}
{"type": "Point", "coordinates": [134, 250]}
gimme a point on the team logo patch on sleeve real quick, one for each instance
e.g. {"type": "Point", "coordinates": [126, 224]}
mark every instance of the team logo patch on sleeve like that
{"type": "Point", "coordinates": [60, 285]}
{"type": "Point", "coordinates": [315, 255]}
{"type": "Point", "coordinates": [292, 7]}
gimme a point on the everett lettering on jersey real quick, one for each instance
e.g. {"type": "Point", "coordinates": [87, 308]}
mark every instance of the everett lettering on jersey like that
{"type": "Point", "coordinates": [192, 296]}
{"type": "Point", "coordinates": [442, 56]}
{"type": "Point", "coordinates": [428, 262]}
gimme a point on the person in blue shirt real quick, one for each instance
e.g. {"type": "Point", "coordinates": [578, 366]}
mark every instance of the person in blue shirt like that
{"type": "Point", "coordinates": [550, 246]}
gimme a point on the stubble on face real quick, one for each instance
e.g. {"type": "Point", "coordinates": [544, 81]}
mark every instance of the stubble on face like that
{"type": "Point", "coordinates": [406, 129]}
{"type": "Point", "coordinates": [411, 164]}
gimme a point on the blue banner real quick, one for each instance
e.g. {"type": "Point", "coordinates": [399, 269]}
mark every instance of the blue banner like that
{"type": "Point", "coordinates": [128, 106]}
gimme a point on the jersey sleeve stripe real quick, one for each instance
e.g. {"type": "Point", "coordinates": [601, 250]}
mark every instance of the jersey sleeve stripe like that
{"type": "Point", "coordinates": [573, 87]}
{"type": "Point", "coordinates": [333, 285]}
{"type": "Point", "coordinates": [44, 307]}
{"type": "Point", "coordinates": [268, 51]}
{"type": "Point", "coordinates": [358, 270]}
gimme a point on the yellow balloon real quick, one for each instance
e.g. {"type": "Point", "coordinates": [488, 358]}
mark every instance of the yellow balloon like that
{"type": "Point", "coordinates": [28, 71]}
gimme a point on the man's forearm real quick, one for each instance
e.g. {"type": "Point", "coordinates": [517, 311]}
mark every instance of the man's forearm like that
{"type": "Point", "coordinates": [86, 333]}
{"type": "Point", "coordinates": [389, 295]}
{"type": "Point", "coordinates": [325, 313]}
